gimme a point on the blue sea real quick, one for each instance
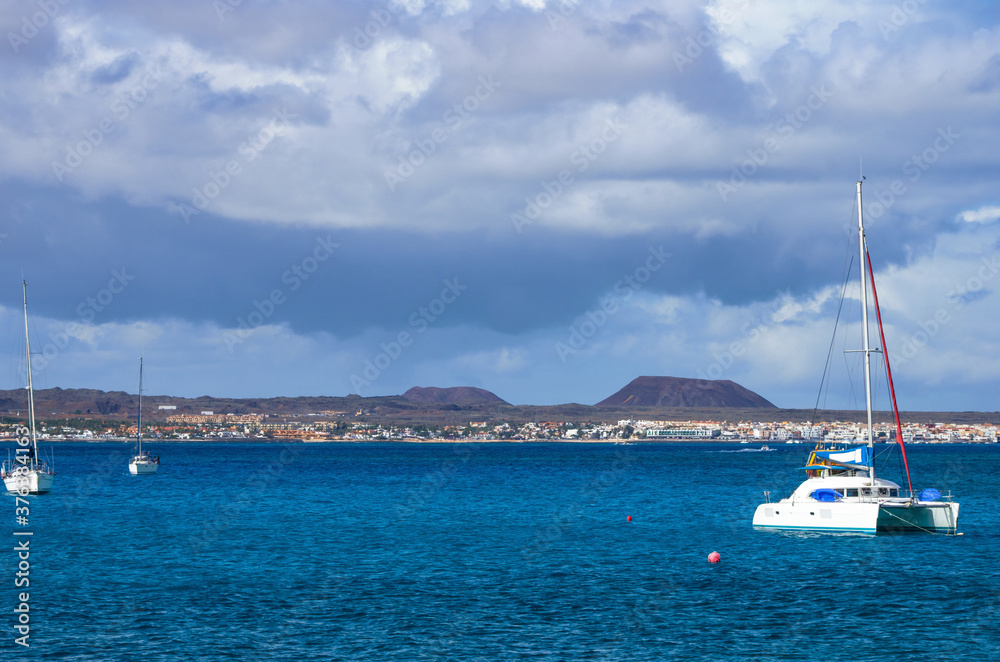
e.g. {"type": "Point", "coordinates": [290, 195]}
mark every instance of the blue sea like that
{"type": "Point", "coordinates": [394, 551]}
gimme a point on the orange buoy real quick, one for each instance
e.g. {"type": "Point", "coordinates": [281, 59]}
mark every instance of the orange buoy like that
{"type": "Point", "coordinates": [714, 557]}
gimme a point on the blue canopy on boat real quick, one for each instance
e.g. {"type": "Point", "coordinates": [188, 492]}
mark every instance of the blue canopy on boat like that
{"type": "Point", "coordinates": [857, 458]}
{"type": "Point", "coordinates": [825, 494]}
{"type": "Point", "coordinates": [930, 494]}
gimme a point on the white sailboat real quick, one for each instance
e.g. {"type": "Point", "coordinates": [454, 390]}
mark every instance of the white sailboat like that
{"type": "Point", "coordinates": [841, 491]}
{"type": "Point", "coordinates": [141, 463]}
{"type": "Point", "coordinates": [27, 473]}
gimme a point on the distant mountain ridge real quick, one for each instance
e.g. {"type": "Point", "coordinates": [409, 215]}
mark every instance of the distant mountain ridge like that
{"type": "Point", "coordinates": [68, 400]}
{"type": "Point", "coordinates": [92, 402]}
{"type": "Point", "coordinates": [684, 392]}
{"type": "Point", "coordinates": [641, 393]}
{"type": "Point", "coordinates": [645, 397]}
{"type": "Point", "coordinates": [646, 393]}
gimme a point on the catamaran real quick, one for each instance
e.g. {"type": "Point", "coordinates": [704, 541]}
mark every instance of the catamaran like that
{"type": "Point", "coordinates": [27, 473]}
{"type": "Point", "coordinates": [841, 491]}
{"type": "Point", "coordinates": [141, 463]}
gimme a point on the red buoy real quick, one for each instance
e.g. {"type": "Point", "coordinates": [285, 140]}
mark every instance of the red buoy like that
{"type": "Point", "coordinates": [714, 557]}
{"type": "Point", "coordinates": [628, 518]}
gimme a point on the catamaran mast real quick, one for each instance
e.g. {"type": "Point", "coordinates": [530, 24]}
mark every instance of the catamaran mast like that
{"type": "Point", "coordinates": [31, 392]}
{"type": "Point", "coordinates": [138, 429]}
{"type": "Point", "coordinates": [864, 327]}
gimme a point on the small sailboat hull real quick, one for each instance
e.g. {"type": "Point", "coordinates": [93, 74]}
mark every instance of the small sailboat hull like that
{"type": "Point", "coordinates": [33, 476]}
{"type": "Point", "coordinates": [142, 467]}
{"type": "Point", "coordinates": [142, 463]}
{"type": "Point", "coordinates": [34, 481]}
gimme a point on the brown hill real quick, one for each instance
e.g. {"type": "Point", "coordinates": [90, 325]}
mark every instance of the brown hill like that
{"type": "Point", "coordinates": [118, 404]}
{"type": "Point", "coordinates": [87, 401]}
{"type": "Point", "coordinates": [683, 392]}
{"type": "Point", "coordinates": [451, 396]}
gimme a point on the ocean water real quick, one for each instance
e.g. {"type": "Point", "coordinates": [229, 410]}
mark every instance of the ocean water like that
{"type": "Point", "coordinates": [488, 552]}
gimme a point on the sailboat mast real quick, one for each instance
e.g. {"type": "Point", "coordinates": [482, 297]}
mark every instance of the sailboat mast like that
{"type": "Point", "coordinates": [864, 327]}
{"type": "Point", "coordinates": [138, 428]}
{"type": "Point", "coordinates": [31, 391]}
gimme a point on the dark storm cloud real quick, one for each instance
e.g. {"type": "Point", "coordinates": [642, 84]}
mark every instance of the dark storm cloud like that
{"type": "Point", "coordinates": [213, 270]}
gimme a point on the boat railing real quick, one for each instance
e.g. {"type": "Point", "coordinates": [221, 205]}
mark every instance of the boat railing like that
{"type": "Point", "coordinates": [916, 496]}
{"type": "Point", "coordinates": [876, 495]}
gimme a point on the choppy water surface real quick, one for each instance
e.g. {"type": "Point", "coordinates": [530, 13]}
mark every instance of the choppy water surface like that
{"type": "Point", "coordinates": [488, 552]}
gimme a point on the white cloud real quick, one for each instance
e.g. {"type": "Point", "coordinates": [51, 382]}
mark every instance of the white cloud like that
{"type": "Point", "coordinates": [499, 360]}
{"type": "Point", "coordinates": [361, 110]}
{"type": "Point", "coordinates": [534, 5]}
{"type": "Point", "coordinates": [752, 31]}
{"type": "Point", "coordinates": [981, 215]}
{"type": "Point", "coordinates": [393, 74]}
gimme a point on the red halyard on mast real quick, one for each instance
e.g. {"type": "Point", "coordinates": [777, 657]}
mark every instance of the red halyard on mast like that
{"type": "Point", "coordinates": [888, 372]}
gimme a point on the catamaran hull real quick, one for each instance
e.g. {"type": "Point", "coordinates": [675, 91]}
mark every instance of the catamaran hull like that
{"type": "Point", "coordinates": [818, 516]}
{"type": "Point", "coordinates": [142, 468]}
{"type": "Point", "coordinates": [930, 517]}
{"type": "Point", "coordinates": [36, 482]}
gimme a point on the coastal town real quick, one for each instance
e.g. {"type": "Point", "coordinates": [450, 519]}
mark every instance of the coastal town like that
{"type": "Point", "coordinates": [335, 426]}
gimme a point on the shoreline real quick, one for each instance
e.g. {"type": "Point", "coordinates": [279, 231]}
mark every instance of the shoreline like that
{"type": "Point", "coordinates": [418, 440]}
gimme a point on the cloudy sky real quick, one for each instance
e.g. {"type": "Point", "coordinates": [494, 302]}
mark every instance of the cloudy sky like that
{"type": "Point", "coordinates": [541, 198]}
